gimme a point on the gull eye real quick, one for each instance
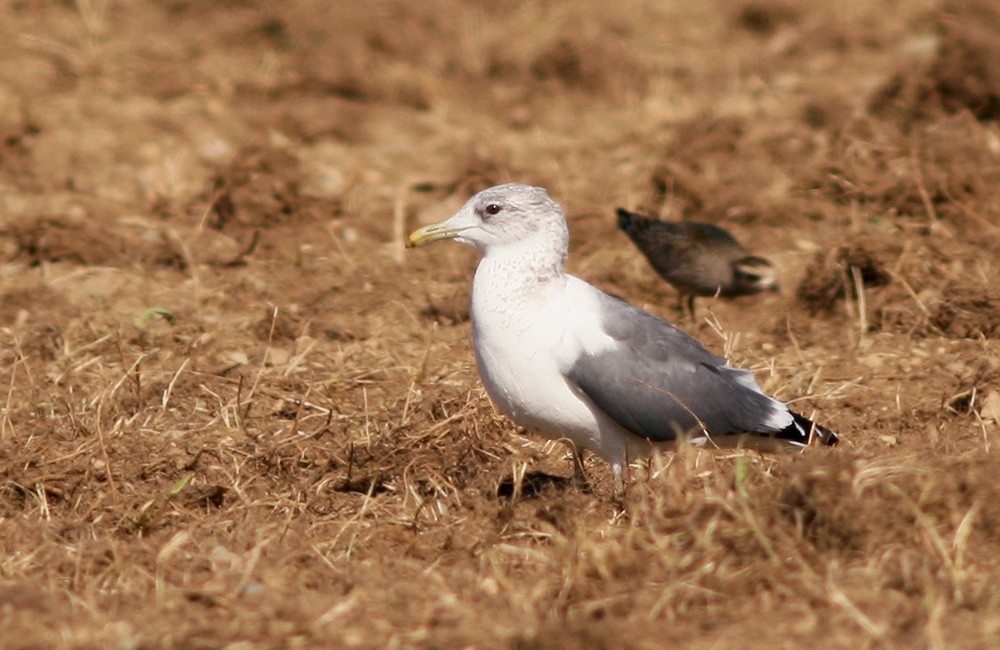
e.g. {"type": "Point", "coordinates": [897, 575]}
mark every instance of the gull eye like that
{"type": "Point", "coordinates": [493, 209]}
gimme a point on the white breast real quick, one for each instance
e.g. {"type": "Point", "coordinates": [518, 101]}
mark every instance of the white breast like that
{"type": "Point", "coordinates": [525, 339]}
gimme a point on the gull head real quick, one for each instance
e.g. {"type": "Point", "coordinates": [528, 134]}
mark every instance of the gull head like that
{"type": "Point", "coordinates": [503, 216]}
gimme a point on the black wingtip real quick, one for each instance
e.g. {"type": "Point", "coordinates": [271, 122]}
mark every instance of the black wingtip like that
{"type": "Point", "coordinates": [825, 437]}
{"type": "Point", "coordinates": [802, 430]}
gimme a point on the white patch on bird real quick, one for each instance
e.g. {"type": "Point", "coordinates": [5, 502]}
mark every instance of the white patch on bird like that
{"type": "Point", "coordinates": [779, 417]}
{"type": "Point", "coordinates": [747, 379]}
{"type": "Point", "coordinates": [579, 309]}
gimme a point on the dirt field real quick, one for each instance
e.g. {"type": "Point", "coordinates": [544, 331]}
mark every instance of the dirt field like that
{"type": "Point", "coordinates": [236, 413]}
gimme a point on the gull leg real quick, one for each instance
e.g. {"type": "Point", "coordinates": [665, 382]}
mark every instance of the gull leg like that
{"type": "Point", "coordinates": [579, 472]}
{"type": "Point", "coordinates": [619, 482]}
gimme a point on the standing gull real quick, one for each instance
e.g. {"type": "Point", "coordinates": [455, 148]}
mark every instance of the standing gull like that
{"type": "Point", "coordinates": [699, 259]}
{"type": "Point", "coordinates": [566, 360]}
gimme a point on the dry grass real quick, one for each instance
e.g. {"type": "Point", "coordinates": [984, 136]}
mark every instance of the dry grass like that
{"type": "Point", "coordinates": [234, 415]}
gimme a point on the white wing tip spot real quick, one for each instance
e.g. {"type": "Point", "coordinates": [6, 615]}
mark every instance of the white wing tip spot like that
{"type": "Point", "coordinates": [779, 418]}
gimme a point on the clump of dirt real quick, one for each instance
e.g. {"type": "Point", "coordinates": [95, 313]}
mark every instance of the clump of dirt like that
{"type": "Point", "coordinates": [596, 65]}
{"type": "Point", "coordinates": [862, 167]}
{"type": "Point", "coordinates": [967, 72]}
{"type": "Point", "coordinates": [261, 188]}
{"type": "Point", "coordinates": [826, 503]}
{"type": "Point", "coordinates": [573, 63]}
{"type": "Point", "coordinates": [956, 173]}
{"type": "Point", "coordinates": [833, 276]}
{"type": "Point", "coordinates": [968, 311]}
{"type": "Point", "coordinates": [765, 18]}
{"type": "Point", "coordinates": [43, 313]}
{"type": "Point", "coordinates": [74, 238]}
{"type": "Point", "coordinates": [963, 75]}
{"type": "Point", "coordinates": [827, 110]}
{"type": "Point", "coordinates": [476, 168]}
{"type": "Point", "coordinates": [945, 171]}
{"type": "Point", "coordinates": [684, 179]}
{"type": "Point", "coordinates": [33, 301]}
{"type": "Point", "coordinates": [812, 502]}
{"type": "Point", "coordinates": [16, 131]}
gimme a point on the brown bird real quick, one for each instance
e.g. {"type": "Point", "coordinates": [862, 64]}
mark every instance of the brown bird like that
{"type": "Point", "coordinates": [698, 259]}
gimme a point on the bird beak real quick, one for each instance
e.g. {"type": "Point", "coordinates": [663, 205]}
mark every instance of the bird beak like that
{"type": "Point", "coordinates": [432, 233]}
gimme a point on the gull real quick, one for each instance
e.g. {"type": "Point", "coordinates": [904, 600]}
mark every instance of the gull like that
{"type": "Point", "coordinates": [698, 259]}
{"type": "Point", "coordinates": [566, 360]}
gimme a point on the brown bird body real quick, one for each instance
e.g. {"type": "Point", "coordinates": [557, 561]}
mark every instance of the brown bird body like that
{"type": "Point", "coordinates": [698, 259]}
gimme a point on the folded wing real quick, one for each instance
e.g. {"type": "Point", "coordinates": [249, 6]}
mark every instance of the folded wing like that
{"type": "Point", "coordinates": [659, 383]}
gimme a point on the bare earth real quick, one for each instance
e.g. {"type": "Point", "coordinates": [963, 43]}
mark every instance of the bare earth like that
{"type": "Point", "coordinates": [236, 413]}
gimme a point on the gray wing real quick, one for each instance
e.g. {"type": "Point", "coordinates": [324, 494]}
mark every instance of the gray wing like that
{"type": "Point", "coordinates": [658, 382]}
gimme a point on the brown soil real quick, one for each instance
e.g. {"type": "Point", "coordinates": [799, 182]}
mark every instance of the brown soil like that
{"type": "Point", "coordinates": [237, 414]}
